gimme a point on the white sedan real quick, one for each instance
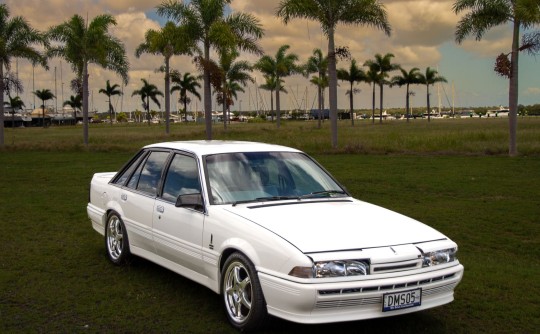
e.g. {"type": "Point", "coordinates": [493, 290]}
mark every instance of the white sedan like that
{"type": "Point", "coordinates": [271, 231]}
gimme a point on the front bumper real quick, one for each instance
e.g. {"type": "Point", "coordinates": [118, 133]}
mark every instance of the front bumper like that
{"type": "Point", "coordinates": [355, 300]}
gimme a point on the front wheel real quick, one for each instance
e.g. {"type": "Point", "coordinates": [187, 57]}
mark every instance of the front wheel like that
{"type": "Point", "coordinates": [116, 240]}
{"type": "Point", "coordinates": [242, 294]}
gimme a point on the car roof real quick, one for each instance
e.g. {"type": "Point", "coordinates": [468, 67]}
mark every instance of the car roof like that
{"type": "Point", "coordinates": [206, 147]}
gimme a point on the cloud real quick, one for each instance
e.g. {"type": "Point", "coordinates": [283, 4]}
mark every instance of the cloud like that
{"type": "Point", "coordinates": [419, 30]}
{"type": "Point", "coordinates": [532, 91]}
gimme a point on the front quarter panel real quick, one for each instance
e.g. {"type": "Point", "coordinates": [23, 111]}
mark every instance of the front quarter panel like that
{"type": "Point", "coordinates": [226, 232]}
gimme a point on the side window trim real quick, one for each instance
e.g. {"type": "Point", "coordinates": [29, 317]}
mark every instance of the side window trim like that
{"type": "Point", "coordinates": [168, 165]}
{"type": "Point", "coordinates": [137, 159]}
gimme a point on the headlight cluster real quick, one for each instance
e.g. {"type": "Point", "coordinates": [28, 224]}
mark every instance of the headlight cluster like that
{"type": "Point", "coordinates": [439, 257]}
{"type": "Point", "coordinates": [338, 268]}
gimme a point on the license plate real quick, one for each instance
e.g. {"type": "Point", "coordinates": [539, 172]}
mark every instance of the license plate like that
{"type": "Point", "coordinates": [400, 300]}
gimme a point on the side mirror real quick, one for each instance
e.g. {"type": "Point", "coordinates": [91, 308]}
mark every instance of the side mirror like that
{"type": "Point", "coordinates": [194, 201]}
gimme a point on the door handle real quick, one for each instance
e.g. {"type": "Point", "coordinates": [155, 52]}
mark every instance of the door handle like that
{"type": "Point", "coordinates": [160, 209]}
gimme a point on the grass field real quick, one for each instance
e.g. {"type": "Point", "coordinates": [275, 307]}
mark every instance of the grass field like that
{"type": "Point", "coordinates": [454, 176]}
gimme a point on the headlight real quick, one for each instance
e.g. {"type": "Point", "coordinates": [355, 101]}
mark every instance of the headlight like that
{"type": "Point", "coordinates": [337, 268]}
{"type": "Point", "coordinates": [340, 268]}
{"type": "Point", "coordinates": [439, 257]}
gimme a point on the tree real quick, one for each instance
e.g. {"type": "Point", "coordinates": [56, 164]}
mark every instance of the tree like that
{"type": "Point", "coordinates": [206, 24]}
{"type": "Point", "coordinates": [322, 83]}
{"type": "Point", "coordinates": [329, 13]}
{"type": "Point", "coordinates": [111, 91]}
{"type": "Point", "coordinates": [82, 43]}
{"type": "Point", "coordinates": [431, 77]}
{"type": "Point", "coordinates": [15, 103]}
{"type": "Point", "coordinates": [412, 77]}
{"type": "Point", "coordinates": [75, 102]}
{"type": "Point", "coordinates": [318, 63]}
{"type": "Point", "coordinates": [383, 65]}
{"type": "Point", "coordinates": [233, 76]}
{"type": "Point", "coordinates": [372, 77]}
{"type": "Point", "coordinates": [167, 42]}
{"type": "Point", "coordinates": [481, 16]}
{"type": "Point", "coordinates": [148, 92]}
{"type": "Point", "coordinates": [271, 84]}
{"type": "Point", "coordinates": [354, 75]}
{"type": "Point", "coordinates": [185, 84]}
{"type": "Point", "coordinates": [17, 40]}
{"type": "Point", "coordinates": [44, 95]}
{"type": "Point", "coordinates": [280, 66]}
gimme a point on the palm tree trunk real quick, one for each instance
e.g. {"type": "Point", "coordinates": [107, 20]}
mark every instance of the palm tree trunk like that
{"type": "Point", "coordinates": [428, 106]}
{"type": "Point", "coordinates": [2, 104]}
{"type": "Point", "coordinates": [110, 110]}
{"type": "Point", "coordinates": [373, 105]}
{"type": "Point", "coordinates": [320, 98]}
{"type": "Point", "coordinates": [167, 95]}
{"type": "Point", "coordinates": [224, 103]}
{"type": "Point", "coordinates": [278, 110]}
{"type": "Point", "coordinates": [332, 86]}
{"type": "Point", "coordinates": [86, 94]}
{"type": "Point", "coordinates": [381, 103]}
{"type": "Point", "coordinates": [207, 96]}
{"type": "Point", "coordinates": [351, 104]}
{"type": "Point", "coordinates": [407, 104]}
{"type": "Point", "coordinates": [272, 104]}
{"type": "Point", "coordinates": [513, 91]}
{"type": "Point", "coordinates": [43, 113]}
{"type": "Point", "coordinates": [185, 110]}
{"type": "Point", "coordinates": [148, 118]}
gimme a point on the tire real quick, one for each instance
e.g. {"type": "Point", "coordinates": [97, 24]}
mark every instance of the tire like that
{"type": "Point", "coordinates": [116, 240]}
{"type": "Point", "coordinates": [242, 294]}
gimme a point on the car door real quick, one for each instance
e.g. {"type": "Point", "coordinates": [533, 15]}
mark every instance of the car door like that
{"type": "Point", "coordinates": [178, 230]}
{"type": "Point", "coordinates": [138, 197]}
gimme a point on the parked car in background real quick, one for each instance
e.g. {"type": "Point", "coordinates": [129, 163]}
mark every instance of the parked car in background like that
{"type": "Point", "coordinates": [271, 231]}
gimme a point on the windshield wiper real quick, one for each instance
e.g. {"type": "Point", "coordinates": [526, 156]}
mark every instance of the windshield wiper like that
{"type": "Point", "coordinates": [276, 198]}
{"type": "Point", "coordinates": [323, 193]}
{"type": "Point", "coordinates": [266, 199]}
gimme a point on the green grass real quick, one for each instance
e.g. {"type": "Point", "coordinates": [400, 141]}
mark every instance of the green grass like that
{"type": "Point", "coordinates": [54, 275]}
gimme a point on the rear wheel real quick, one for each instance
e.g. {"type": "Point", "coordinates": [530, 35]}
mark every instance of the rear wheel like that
{"type": "Point", "coordinates": [242, 294]}
{"type": "Point", "coordinates": [116, 240]}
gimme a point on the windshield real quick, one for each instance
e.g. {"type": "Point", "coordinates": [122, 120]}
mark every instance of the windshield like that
{"type": "Point", "coordinates": [261, 176]}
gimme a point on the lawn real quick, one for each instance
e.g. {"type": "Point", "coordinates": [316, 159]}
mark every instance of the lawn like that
{"type": "Point", "coordinates": [454, 176]}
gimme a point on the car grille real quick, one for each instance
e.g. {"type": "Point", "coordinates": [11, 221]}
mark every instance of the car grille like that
{"type": "Point", "coordinates": [382, 288]}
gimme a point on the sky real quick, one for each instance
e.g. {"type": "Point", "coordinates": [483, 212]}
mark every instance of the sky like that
{"type": "Point", "coordinates": [422, 36]}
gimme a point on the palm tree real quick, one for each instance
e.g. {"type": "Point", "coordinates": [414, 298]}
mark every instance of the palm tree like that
{"type": "Point", "coordinates": [272, 84]}
{"type": "Point", "coordinates": [280, 66]}
{"type": "Point", "coordinates": [483, 15]}
{"type": "Point", "coordinates": [44, 95]}
{"type": "Point", "coordinates": [411, 77]}
{"type": "Point", "coordinates": [17, 40]}
{"type": "Point", "coordinates": [15, 103]}
{"type": "Point", "coordinates": [234, 75]}
{"type": "Point", "coordinates": [430, 78]}
{"type": "Point", "coordinates": [354, 75]}
{"type": "Point", "coordinates": [372, 77]}
{"type": "Point", "coordinates": [82, 43]}
{"type": "Point", "coordinates": [329, 13]}
{"type": "Point", "coordinates": [318, 63]}
{"type": "Point", "coordinates": [322, 83]}
{"type": "Point", "coordinates": [185, 84]}
{"type": "Point", "coordinates": [75, 102]}
{"type": "Point", "coordinates": [148, 92]}
{"type": "Point", "coordinates": [111, 91]}
{"type": "Point", "coordinates": [206, 24]}
{"type": "Point", "coordinates": [383, 65]}
{"type": "Point", "coordinates": [167, 42]}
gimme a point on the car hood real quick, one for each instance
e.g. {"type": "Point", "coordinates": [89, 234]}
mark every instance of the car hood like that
{"type": "Point", "coordinates": [335, 225]}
